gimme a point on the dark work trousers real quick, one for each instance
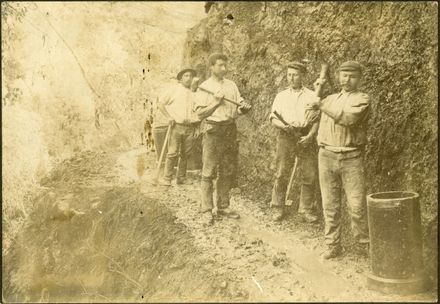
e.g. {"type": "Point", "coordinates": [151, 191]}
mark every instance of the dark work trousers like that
{"type": "Point", "coordinates": [337, 172]}
{"type": "Point", "coordinates": [179, 148]}
{"type": "Point", "coordinates": [287, 150]}
{"type": "Point", "coordinates": [219, 159]}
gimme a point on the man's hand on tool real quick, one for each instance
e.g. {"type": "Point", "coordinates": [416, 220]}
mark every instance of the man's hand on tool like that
{"type": "Point", "coordinates": [244, 108]}
{"type": "Point", "coordinates": [305, 140]}
{"type": "Point", "coordinates": [290, 129]}
{"type": "Point", "coordinates": [219, 96]}
{"type": "Point", "coordinates": [318, 84]}
{"type": "Point", "coordinates": [172, 122]}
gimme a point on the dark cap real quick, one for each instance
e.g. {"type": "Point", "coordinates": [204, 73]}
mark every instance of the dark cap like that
{"type": "Point", "coordinates": [353, 66]}
{"type": "Point", "coordinates": [297, 66]}
{"type": "Point", "coordinates": [180, 74]}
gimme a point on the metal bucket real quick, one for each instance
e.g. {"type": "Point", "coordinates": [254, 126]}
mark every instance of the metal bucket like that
{"type": "Point", "coordinates": [395, 242]}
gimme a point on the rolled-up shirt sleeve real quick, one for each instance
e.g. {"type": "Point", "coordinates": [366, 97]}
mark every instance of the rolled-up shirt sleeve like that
{"type": "Point", "coordinates": [351, 113]}
{"type": "Point", "coordinates": [165, 99]}
{"type": "Point", "coordinates": [201, 100]}
{"type": "Point", "coordinates": [276, 106]}
{"type": "Point", "coordinates": [238, 98]}
{"type": "Point", "coordinates": [312, 116]}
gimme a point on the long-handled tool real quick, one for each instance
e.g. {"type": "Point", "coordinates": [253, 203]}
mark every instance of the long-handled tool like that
{"type": "Point", "coordinates": [280, 118]}
{"type": "Point", "coordinates": [165, 143]}
{"type": "Point", "coordinates": [289, 186]}
{"type": "Point", "coordinates": [292, 176]}
{"type": "Point", "coordinates": [227, 99]}
{"type": "Point", "coordinates": [322, 74]}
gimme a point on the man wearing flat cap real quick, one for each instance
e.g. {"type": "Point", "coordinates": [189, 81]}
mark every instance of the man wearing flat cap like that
{"type": "Point", "coordinates": [295, 139]}
{"type": "Point", "coordinates": [219, 138]}
{"type": "Point", "coordinates": [177, 104]}
{"type": "Point", "coordinates": [342, 138]}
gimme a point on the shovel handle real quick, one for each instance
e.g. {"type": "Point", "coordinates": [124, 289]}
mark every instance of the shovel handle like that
{"type": "Point", "coordinates": [280, 118]}
{"type": "Point", "coordinates": [165, 142]}
{"type": "Point", "coordinates": [292, 176]}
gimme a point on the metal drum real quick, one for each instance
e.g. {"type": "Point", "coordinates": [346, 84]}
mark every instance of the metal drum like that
{"type": "Point", "coordinates": [395, 242]}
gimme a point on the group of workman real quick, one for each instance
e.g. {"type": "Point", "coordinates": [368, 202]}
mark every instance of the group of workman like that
{"type": "Point", "coordinates": [305, 121]}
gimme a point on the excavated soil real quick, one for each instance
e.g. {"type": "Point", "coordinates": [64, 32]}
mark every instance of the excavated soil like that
{"type": "Point", "coordinates": [91, 239]}
{"type": "Point", "coordinates": [100, 231]}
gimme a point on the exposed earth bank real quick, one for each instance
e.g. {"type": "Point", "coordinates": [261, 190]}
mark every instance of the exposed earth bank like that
{"type": "Point", "coordinates": [100, 231]}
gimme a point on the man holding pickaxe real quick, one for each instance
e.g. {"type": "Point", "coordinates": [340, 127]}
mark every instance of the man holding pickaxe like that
{"type": "Point", "coordinates": [297, 126]}
{"type": "Point", "coordinates": [342, 138]}
{"type": "Point", "coordinates": [178, 105]}
{"type": "Point", "coordinates": [219, 103]}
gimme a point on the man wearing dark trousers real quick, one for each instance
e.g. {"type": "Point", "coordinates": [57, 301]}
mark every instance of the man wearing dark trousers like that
{"type": "Point", "coordinates": [296, 139]}
{"type": "Point", "coordinates": [178, 105]}
{"type": "Point", "coordinates": [219, 138]}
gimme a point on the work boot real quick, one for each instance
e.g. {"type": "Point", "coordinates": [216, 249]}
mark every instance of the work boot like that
{"type": "Point", "coordinates": [310, 218]}
{"type": "Point", "coordinates": [332, 252]}
{"type": "Point", "coordinates": [183, 181]}
{"type": "Point", "coordinates": [228, 213]}
{"type": "Point", "coordinates": [207, 218]}
{"type": "Point", "coordinates": [165, 182]}
{"type": "Point", "coordinates": [278, 213]}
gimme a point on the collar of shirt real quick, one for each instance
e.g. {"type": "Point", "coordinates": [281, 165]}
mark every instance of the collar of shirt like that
{"type": "Point", "coordinates": [345, 93]}
{"type": "Point", "coordinates": [183, 87]}
{"type": "Point", "coordinates": [296, 91]}
{"type": "Point", "coordinates": [220, 81]}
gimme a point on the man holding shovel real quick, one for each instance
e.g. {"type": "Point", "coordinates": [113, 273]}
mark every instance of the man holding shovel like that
{"type": "Point", "coordinates": [177, 104]}
{"type": "Point", "coordinates": [342, 138]}
{"type": "Point", "coordinates": [297, 126]}
{"type": "Point", "coordinates": [219, 103]}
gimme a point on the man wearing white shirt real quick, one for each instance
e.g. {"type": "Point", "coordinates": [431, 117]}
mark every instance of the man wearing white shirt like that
{"type": "Point", "coordinates": [295, 140]}
{"type": "Point", "coordinates": [219, 138]}
{"type": "Point", "coordinates": [178, 104]}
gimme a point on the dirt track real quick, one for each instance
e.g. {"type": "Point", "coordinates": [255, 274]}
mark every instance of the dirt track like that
{"type": "Point", "coordinates": [100, 231]}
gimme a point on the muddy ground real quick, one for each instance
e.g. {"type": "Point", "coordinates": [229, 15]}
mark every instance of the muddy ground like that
{"type": "Point", "coordinates": [397, 44]}
{"type": "Point", "coordinates": [100, 232]}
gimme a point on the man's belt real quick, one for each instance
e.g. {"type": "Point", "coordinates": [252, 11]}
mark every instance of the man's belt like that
{"type": "Point", "coordinates": [303, 131]}
{"type": "Point", "coordinates": [221, 123]}
{"type": "Point", "coordinates": [340, 149]}
{"type": "Point", "coordinates": [187, 124]}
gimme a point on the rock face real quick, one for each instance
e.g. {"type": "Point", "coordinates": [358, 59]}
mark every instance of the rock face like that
{"type": "Point", "coordinates": [397, 43]}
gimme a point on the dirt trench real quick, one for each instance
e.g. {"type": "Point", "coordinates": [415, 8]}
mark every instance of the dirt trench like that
{"type": "Point", "coordinates": [91, 239]}
{"type": "Point", "coordinates": [101, 232]}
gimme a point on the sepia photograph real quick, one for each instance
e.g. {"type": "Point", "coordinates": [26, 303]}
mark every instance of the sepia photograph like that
{"type": "Point", "coordinates": [219, 151]}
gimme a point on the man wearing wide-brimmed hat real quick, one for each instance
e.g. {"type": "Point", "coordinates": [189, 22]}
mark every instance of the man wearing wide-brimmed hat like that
{"type": "Point", "coordinates": [295, 140]}
{"type": "Point", "coordinates": [342, 138]}
{"type": "Point", "coordinates": [177, 104]}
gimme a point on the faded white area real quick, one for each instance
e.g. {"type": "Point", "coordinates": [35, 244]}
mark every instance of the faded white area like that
{"type": "Point", "coordinates": [79, 76]}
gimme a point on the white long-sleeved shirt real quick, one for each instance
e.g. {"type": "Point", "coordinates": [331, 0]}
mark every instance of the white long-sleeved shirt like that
{"type": "Point", "coordinates": [179, 103]}
{"type": "Point", "coordinates": [226, 111]}
{"type": "Point", "coordinates": [292, 106]}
